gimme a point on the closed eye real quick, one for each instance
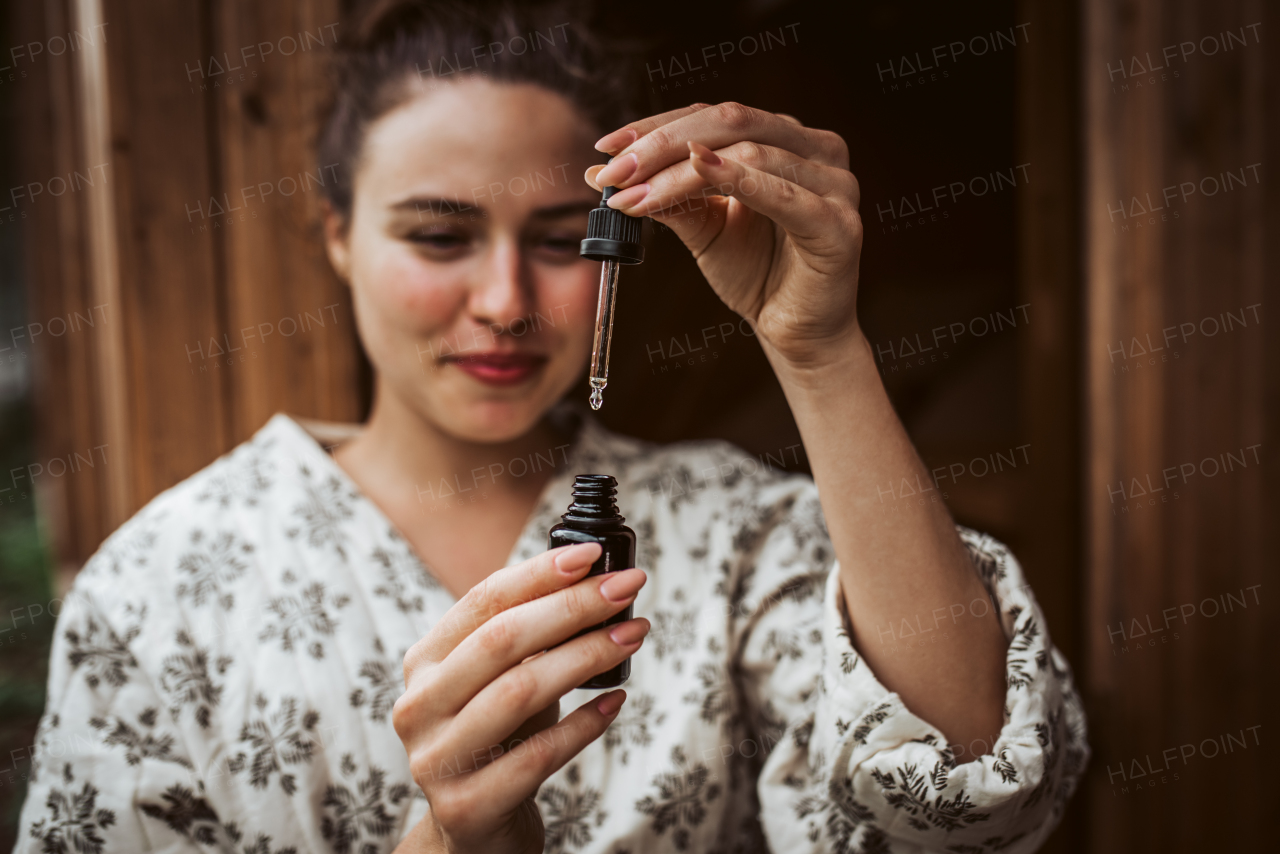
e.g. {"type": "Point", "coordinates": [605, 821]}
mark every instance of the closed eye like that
{"type": "Point", "coordinates": [557, 247]}
{"type": "Point", "coordinates": [438, 239]}
{"type": "Point", "coordinates": [566, 244]}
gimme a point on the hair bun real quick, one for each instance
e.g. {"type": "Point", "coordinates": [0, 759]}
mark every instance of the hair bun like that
{"type": "Point", "coordinates": [382, 21]}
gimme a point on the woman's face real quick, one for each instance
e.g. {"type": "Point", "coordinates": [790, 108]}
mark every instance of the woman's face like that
{"type": "Point", "coordinates": [462, 254]}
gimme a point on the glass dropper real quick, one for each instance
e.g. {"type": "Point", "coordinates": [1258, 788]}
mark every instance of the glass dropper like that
{"type": "Point", "coordinates": [604, 332]}
{"type": "Point", "coordinates": [614, 238]}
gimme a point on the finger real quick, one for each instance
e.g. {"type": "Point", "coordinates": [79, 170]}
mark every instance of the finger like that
{"type": "Point", "coordinates": [511, 637]}
{"type": "Point", "coordinates": [719, 127]}
{"type": "Point", "coordinates": [524, 582]}
{"type": "Point", "coordinates": [806, 216]}
{"type": "Point", "coordinates": [506, 702]}
{"type": "Point", "coordinates": [548, 717]}
{"type": "Point", "coordinates": [681, 185]}
{"type": "Point", "coordinates": [516, 775]}
{"type": "Point", "coordinates": [612, 143]}
{"type": "Point", "coordinates": [592, 172]}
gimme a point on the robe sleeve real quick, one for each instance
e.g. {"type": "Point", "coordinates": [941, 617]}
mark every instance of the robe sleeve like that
{"type": "Point", "coordinates": [850, 768]}
{"type": "Point", "coordinates": [108, 766]}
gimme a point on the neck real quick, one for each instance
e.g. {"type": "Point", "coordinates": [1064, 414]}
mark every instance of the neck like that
{"type": "Point", "coordinates": [400, 452]}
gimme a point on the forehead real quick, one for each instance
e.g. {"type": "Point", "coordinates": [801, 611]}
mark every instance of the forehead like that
{"type": "Point", "coordinates": [504, 144]}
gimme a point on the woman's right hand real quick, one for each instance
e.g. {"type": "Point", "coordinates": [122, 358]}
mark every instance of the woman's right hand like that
{"type": "Point", "coordinates": [481, 675]}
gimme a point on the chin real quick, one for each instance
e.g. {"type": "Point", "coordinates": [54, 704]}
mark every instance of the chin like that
{"type": "Point", "coordinates": [492, 420]}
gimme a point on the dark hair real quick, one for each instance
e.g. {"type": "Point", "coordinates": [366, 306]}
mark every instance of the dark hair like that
{"type": "Point", "coordinates": [550, 44]}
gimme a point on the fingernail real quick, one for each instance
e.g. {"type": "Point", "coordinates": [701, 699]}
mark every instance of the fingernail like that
{"type": "Point", "coordinates": [611, 702]}
{"type": "Point", "coordinates": [618, 171]}
{"type": "Point", "coordinates": [622, 585]}
{"type": "Point", "coordinates": [616, 141]}
{"type": "Point", "coordinates": [573, 559]}
{"type": "Point", "coordinates": [704, 154]}
{"type": "Point", "coordinates": [629, 197]}
{"type": "Point", "coordinates": [632, 631]}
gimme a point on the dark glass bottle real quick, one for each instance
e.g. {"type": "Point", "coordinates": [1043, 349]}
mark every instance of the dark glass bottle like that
{"type": "Point", "coordinates": [593, 518]}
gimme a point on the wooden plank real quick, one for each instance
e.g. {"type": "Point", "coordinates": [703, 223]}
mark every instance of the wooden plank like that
{"type": "Point", "coordinates": [1122, 290]}
{"type": "Point", "coordinates": [1270, 116]}
{"type": "Point", "coordinates": [170, 273]}
{"type": "Point", "coordinates": [1049, 282]}
{"type": "Point", "coordinates": [1213, 407]}
{"type": "Point", "coordinates": [65, 390]}
{"type": "Point", "coordinates": [1160, 545]}
{"type": "Point", "coordinates": [287, 313]}
{"type": "Point", "coordinates": [103, 262]}
{"type": "Point", "coordinates": [45, 103]}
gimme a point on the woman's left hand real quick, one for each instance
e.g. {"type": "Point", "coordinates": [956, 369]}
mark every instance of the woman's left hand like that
{"type": "Point", "coordinates": [767, 206]}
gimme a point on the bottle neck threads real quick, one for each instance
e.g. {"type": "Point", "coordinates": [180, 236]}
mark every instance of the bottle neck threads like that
{"type": "Point", "coordinates": [593, 501]}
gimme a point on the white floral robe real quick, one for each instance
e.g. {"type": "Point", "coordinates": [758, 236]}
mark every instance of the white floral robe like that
{"type": "Point", "coordinates": [224, 669]}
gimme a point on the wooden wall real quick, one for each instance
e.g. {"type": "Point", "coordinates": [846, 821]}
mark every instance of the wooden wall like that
{"type": "Point", "coordinates": [202, 243]}
{"type": "Point", "coordinates": [1050, 376]}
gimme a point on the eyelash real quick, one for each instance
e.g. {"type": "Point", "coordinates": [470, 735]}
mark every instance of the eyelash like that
{"type": "Point", "coordinates": [437, 239]}
{"type": "Point", "coordinates": [446, 240]}
{"type": "Point", "coordinates": [561, 243]}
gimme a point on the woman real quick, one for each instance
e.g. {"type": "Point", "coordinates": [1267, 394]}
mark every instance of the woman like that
{"type": "Point", "coordinates": [226, 674]}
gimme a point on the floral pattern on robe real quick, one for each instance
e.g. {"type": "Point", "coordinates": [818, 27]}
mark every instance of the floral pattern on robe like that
{"type": "Point", "coordinates": [224, 669]}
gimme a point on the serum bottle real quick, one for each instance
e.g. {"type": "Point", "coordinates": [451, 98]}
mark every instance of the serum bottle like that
{"type": "Point", "coordinates": [593, 518]}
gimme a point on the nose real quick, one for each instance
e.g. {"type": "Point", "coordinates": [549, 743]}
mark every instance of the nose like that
{"type": "Point", "coordinates": [502, 291]}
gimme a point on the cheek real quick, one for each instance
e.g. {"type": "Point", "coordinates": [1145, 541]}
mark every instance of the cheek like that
{"type": "Point", "coordinates": [410, 293]}
{"type": "Point", "coordinates": [572, 296]}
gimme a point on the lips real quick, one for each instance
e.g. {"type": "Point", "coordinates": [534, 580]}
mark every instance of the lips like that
{"type": "Point", "coordinates": [499, 369]}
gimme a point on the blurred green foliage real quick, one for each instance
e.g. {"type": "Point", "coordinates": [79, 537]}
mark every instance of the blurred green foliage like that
{"type": "Point", "coordinates": [26, 626]}
{"type": "Point", "coordinates": [26, 569]}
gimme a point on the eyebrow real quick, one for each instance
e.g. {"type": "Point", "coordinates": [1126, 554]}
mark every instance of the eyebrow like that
{"type": "Point", "coordinates": [448, 207]}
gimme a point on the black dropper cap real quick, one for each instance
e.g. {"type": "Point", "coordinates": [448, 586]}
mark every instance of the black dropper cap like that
{"type": "Point", "coordinates": [612, 235]}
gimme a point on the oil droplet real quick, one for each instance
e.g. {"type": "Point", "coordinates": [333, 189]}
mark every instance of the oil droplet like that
{"type": "Point", "coordinates": [597, 391]}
